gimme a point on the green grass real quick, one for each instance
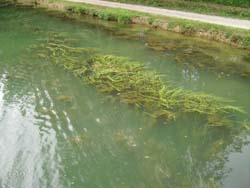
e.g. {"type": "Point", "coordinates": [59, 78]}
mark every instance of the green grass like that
{"type": "Point", "coordinates": [230, 8]}
{"type": "Point", "coordinates": [232, 36]}
{"type": "Point", "coordinates": [241, 3]}
{"type": "Point", "coordinates": [118, 15]}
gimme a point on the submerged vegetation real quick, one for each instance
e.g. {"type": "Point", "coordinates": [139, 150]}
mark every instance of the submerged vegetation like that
{"type": "Point", "coordinates": [200, 56]}
{"type": "Point", "coordinates": [133, 84]}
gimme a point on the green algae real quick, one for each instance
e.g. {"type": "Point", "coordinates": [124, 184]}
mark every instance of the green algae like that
{"type": "Point", "coordinates": [134, 84]}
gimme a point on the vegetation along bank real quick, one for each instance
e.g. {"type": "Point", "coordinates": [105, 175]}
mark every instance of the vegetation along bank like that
{"type": "Point", "coordinates": [231, 8]}
{"type": "Point", "coordinates": [235, 37]}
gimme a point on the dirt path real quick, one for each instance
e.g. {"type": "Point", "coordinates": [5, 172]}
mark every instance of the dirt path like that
{"type": "Point", "coordinates": [237, 23]}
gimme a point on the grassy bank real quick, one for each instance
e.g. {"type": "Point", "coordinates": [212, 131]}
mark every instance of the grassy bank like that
{"type": "Point", "coordinates": [230, 8]}
{"type": "Point", "coordinates": [239, 38]}
{"type": "Point", "coordinates": [236, 37]}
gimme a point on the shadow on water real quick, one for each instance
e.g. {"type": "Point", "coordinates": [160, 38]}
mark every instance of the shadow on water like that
{"type": "Point", "coordinates": [56, 131]}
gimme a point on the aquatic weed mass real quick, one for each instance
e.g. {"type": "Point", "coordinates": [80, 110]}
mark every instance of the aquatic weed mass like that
{"type": "Point", "coordinates": [132, 83]}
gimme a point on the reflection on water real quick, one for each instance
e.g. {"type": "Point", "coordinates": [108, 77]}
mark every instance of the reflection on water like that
{"type": "Point", "coordinates": [28, 150]}
{"type": "Point", "coordinates": [55, 131]}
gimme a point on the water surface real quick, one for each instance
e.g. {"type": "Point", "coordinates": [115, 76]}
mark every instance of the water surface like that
{"type": "Point", "coordinates": [91, 140]}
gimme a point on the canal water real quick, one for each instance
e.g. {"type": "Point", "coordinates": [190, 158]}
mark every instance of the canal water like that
{"type": "Point", "coordinates": [56, 131]}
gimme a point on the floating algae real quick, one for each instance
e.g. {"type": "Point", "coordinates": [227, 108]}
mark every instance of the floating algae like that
{"type": "Point", "coordinates": [135, 85]}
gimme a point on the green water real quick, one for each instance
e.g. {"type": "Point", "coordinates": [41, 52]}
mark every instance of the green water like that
{"type": "Point", "coordinates": [93, 141]}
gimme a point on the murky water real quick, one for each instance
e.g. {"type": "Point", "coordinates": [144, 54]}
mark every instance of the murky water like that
{"type": "Point", "coordinates": [90, 140]}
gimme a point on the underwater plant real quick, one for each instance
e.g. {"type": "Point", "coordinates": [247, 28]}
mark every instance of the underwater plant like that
{"type": "Point", "coordinates": [133, 84]}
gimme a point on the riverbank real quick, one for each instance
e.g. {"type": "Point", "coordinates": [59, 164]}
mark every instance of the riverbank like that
{"type": "Point", "coordinates": [235, 37]}
{"type": "Point", "coordinates": [222, 21]}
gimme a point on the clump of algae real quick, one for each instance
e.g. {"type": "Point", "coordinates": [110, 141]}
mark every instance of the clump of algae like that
{"type": "Point", "coordinates": [132, 83]}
